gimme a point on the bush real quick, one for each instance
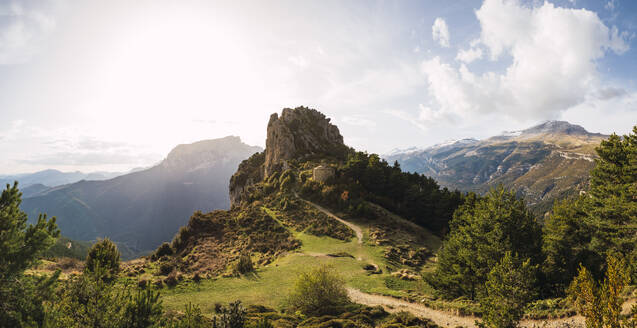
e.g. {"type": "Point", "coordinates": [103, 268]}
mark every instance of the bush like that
{"type": "Point", "coordinates": [245, 263]}
{"type": "Point", "coordinates": [192, 318]}
{"type": "Point", "coordinates": [263, 323]}
{"type": "Point", "coordinates": [166, 268]}
{"type": "Point", "coordinates": [319, 292]}
{"type": "Point", "coordinates": [143, 310]}
{"type": "Point", "coordinates": [103, 254]}
{"type": "Point", "coordinates": [196, 278]}
{"type": "Point", "coordinates": [171, 280]}
{"type": "Point", "coordinates": [234, 316]}
{"type": "Point", "coordinates": [162, 250]}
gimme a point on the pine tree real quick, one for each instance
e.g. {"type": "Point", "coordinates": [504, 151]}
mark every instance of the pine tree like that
{"type": "Point", "coordinates": [481, 232]}
{"type": "Point", "coordinates": [566, 245]}
{"type": "Point", "coordinates": [21, 245]}
{"type": "Point", "coordinates": [601, 303]}
{"type": "Point", "coordinates": [613, 202]}
{"type": "Point", "coordinates": [508, 290]}
{"type": "Point", "coordinates": [103, 255]}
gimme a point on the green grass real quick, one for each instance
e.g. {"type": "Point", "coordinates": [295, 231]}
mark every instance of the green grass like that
{"type": "Point", "coordinates": [272, 283]}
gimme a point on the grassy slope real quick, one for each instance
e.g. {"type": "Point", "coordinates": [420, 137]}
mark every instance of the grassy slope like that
{"type": "Point", "coordinates": [271, 284]}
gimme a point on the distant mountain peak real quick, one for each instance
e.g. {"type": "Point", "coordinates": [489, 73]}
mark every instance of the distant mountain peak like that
{"type": "Point", "coordinates": [207, 152]}
{"type": "Point", "coordinates": [556, 127]}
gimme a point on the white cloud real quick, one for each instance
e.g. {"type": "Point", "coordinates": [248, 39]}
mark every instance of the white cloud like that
{"type": "Point", "coordinates": [22, 28]}
{"type": "Point", "coordinates": [553, 54]}
{"type": "Point", "coordinates": [358, 121]}
{"type": "Point", "coordinates": [469, 55]}
{"type": "Point", "coordinates": [610, 5]}
{"type": "Point", "coordinates": [299, 61]}
{"type": "Point", "coordinates": [440, 32]}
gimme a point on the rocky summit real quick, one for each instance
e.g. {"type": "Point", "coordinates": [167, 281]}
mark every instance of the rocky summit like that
{"type": "Point", "coordinates": [299, 133]}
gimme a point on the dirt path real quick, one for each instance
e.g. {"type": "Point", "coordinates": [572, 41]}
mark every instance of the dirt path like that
{"type": "Point", "coordinates": [441, 318]}
{"type": "Point", "coordinates": [357, 229]}
{"type": "Point", "coordinates": [391, 304]}
{"type": "Point", "coordinates": [446, 319]}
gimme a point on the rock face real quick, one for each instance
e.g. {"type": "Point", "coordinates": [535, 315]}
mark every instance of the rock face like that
{"type": "Point", "coordinates": [299, 133]}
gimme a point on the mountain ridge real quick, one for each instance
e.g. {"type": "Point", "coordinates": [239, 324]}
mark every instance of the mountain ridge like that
{"type": "Point", "coordinates": [144, 208]}
{"type": "Point", "coordinates": [542, 163]}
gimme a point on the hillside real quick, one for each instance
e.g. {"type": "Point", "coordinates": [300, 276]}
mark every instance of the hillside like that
{"type": "Point", "coordinates": [543, 163]}
{"type": "Point", "coordinates": [140, 210]}
{"type": "Point", "coordinates": [288, 220]}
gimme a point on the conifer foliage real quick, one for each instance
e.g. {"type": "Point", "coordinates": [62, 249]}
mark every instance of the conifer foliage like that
{"type": "Point", "coordinates": [103, 254]}
{"type": "Point", "coordinates": [601, 302]}
{"type": "Point", "coordinates": [21, 244]}
{"type": "Point", "coordinates": [482, 231]}
{"type": "Point", "coordinates": [508, 289]}
{"type": "Point", "coordinates": [603, 219]}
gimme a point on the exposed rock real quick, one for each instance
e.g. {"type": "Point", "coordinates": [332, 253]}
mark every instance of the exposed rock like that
{"type": "Point", "coordinates": [298, 133]}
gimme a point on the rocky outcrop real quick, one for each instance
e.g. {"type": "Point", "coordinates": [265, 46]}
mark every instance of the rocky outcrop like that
{"type": "Point", "coordinates": [299, 133]}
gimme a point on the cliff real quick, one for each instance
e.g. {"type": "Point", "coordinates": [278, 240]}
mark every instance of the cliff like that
{"type": "Point", "coordinates": [299, 133]}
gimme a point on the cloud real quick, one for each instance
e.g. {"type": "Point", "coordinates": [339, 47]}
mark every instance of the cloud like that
{"type": "Point", "coordinates": [552, 52]}
{"type": "Point", "coordinates": [440, 32]}
{"type": "Point", "coordinates": [22, 29]}
{"type": "Point", "coordinates": [469, 55]}
{"type": "Point", "coordinates": [299, 61]}
{"type": "Point", "coordinates": [358, 121]}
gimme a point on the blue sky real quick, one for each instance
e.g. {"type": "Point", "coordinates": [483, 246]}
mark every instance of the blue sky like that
{"type": "Point", "coordinates": [95, 85]}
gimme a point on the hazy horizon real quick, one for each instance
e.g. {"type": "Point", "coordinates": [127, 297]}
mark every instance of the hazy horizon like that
{"type": "Point", "coordinates": [110, 86]}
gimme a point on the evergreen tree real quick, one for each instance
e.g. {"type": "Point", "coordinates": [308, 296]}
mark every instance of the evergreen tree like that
{"type": "Point", "coordinates": [605, 218]}
{"type": "Point", "coordinates": [21, 245]}
{"type": "Point", "coordinates": [566, 245]}
{"type": "Point", "coordinates": [144, 310]}
{"type": "Point", "coordinates": [481, 232]}
{"type": "Point", "coordinates": [103, 254]}
{"type": "Point", "coordinates": [601, 303]}
{"type": "Point", "coordinates": [508, 290]}
{"type": "Point", "coordinates": [612, 207]}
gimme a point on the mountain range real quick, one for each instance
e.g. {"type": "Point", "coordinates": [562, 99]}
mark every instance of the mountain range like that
{"type": "Point", "coordinates": [53, 178]}
{"type": "Point", "coordinates": [543, 163]}
{"type": "Point", "coordinates": [140, 210]}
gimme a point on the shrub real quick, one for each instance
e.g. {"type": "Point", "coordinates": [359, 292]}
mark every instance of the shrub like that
{"type": "Point", "coordinates": [163, 250]}
{"type": "Point", "coordinates": [319, 292]}
{"type": "Point", "coordinates": [171, 280]}
{"type": "Point", "coordinates": [192, 318]}
{"type": "Point", "coordinates": [245, 263]}
{"type": "Point", "coordinates": [143, 310]}
{"type": "Point", "coordinates": [166, 268]}
{"type": "Point", "coordinates": [196, 278]}
{"type": "Point", "coordinates": [103, 254]}
{"type": "Point", "coordinates": [263, 323]}
{"type": "Point", "coordinates": [233, 316]}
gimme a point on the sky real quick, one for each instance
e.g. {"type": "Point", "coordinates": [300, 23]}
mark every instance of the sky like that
{"type": "Point", "coordinates": [114, 85]}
